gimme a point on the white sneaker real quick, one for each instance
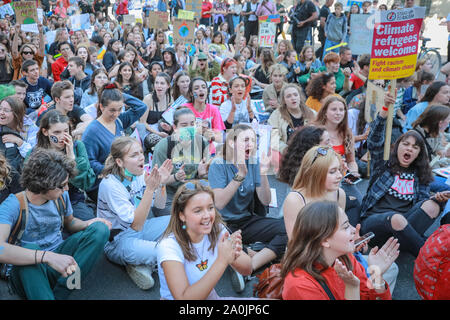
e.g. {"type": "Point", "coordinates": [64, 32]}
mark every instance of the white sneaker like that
{"type": "Point", "coordinates": [141, 276]}
{"type": "Point", "coordinates": [237, 281]}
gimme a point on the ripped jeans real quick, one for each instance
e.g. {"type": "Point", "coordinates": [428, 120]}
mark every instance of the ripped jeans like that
{"type": "Point", "coordinates": [411, 238]}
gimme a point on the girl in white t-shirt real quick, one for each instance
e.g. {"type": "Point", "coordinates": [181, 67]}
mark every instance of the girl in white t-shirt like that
{"type": "Point", "coordinates": [125, 198]}
{"type": "Point", "coordinates": [196, 248]}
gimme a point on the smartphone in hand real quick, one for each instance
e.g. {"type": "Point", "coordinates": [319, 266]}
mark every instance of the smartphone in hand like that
{"type": "Point", "coordinates": [352, 178]}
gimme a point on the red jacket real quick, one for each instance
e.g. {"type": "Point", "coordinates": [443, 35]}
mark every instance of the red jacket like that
{"type": "Point", "coordinates": [432, 266]}
{"type": "Point", "coordinates": [303, 286]}
{"type": "Point", "coordinates": [58, 67]}
{"type": "Point", "coordinates": [122, 8]}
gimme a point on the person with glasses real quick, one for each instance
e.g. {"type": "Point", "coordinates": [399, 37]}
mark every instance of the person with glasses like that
{"type": "Point", "coordinates": [55, 133]}
{"type": "Point", "coordinates": [238, 179]}
{"type": "Point", "coordinates": [27, 51]}
{"type": "Point", "coordinates": [17, 139]}
{"type": "Point", "coordinates": [126, 194]}
{"type": "Point", "coordinates": [111, 122]}
{"type": "Point", "coordinates": [42, 260]}
{"type": "Point", "coordinates": [197, 248]}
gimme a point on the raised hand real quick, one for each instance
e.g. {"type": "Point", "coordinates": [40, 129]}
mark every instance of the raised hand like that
{"type": "Point", "coordinates": [165, 171]}
{"type": "Point", "coordinates": [347, 276]}
{"type": "Point", "coordinates": [384, 257]}
{"type": "Point", "coordinates": [152, 179]}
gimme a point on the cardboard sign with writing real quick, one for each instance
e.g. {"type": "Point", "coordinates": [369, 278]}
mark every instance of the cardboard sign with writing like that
{"type": "Point", "coordinates": [183, 31]}
{"type": "Point", "coordinates": [158, 20]}
{"type": "Point", "coordinates": [374, 101]}
{"type": "Point", "coordinates": [395, 43]}
{"type": "Point", "coordinates": [187, 15]}
{"type": "Point", "coordinates": [267, 33]}
{"type": "Point", "coordinates": [26, 12]}
{"type": "Point", "coordinates": [129, 19]}
{"type": "Point", "coordinates": [194, 6]}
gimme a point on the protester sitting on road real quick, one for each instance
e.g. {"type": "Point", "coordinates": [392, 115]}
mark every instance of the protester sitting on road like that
{"type": "Point", "coordinates": [188, 151]}
{"type": "Point", "coordinates": [111, 123]}
{"type": "Point", "coordinates": [277, 74]}
{"type": "Point", "coordinates": [237, 178]}
{"type": "Point", "coordinates": [320, 87]}
{"type": "Point", "coordinates": [157, 102]}
{"type": "Point", "coordinates": [417, 90]}
{"type": "Point", "coordinates": [16, 139]}
{"type": "Point", "coordinates": [438, 93]}
{"type": "Point", "coordinates": [42, 261]}
{"type": "Point", "coordinates": [331, 65]}
{"type": "Point", "coordinates": [238, 108]}
{"type": "Point", "coordinates": [196, 248]}
{"type": "Point", "coordinates": [319, 265]}
{"type": "Point", "coordinates": [128, 81]}
{"type": "Point", "coordinates": [125, 198]}
{"type": "Point", "coordinates": [402, 183]}
{"type": "Point", "coordinates": [219, 85]}
{"type": "Point", "coordinates": [289, 116]}
{"type": "Point", "coordinates": [318, 178]}
{"type": "Point", "coordinates": [298, 144]}
{"type": "Point", "coordinates": [207, 116]}
{"type": "Point", "coordinates": [181, 81]}
{"type": "Point", "coordinates": [90, 97]}
{"type": "Point", "coordinates": [333, 116]}
{"type": "Point", "coordinates": [54, 133]}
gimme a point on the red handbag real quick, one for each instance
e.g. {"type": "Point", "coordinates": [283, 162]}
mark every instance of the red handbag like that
{"type": "Point", "coordinates": [270, 284]}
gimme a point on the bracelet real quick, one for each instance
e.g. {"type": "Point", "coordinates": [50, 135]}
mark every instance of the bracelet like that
{"type": "Point", "coordinates": [42, 258]}
{"type": "Point", "coordinates": [384, 108]}
{"type": "Point", "coordinates": [35, 257]}
{"type": "Point", "coordinates": [175, 178]}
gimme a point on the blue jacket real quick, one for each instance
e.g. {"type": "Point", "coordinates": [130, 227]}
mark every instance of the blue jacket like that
{"type": "Point", "coordinates": [98, 140]}
{"type": "Point", "coordinates": [381, 176]}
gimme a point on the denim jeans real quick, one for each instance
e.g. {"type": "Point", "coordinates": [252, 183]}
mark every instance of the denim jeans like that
{"type": "Point", "coordinates": [411, 238]}
{"type": "Point", "coordinates": [137, 247]}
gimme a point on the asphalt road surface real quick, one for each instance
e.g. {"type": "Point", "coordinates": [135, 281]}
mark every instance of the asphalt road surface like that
{"type": "Point", "coordinates": [111, 282]}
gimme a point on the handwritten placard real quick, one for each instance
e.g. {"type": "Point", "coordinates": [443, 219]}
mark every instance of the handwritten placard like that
{"type": "Point", "coordinates": [129, 19]}
{"type": "Point", "coordinates": [186, 15]}
{"type": "Point", "coordinates": [183, 31]}
{"type": "Point", "coordinates": [158, 20]}
{"type": "Point", "coordinates": [194, 6]}
{"type": "Point", "coordinates": [26, 12]}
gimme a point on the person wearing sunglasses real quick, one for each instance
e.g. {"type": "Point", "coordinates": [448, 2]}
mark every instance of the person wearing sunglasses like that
{"type": "Point", "coordinates": [126, 194]}
{"type": "Point", "coordinates": [239, 179]}
{"type": "Point", "coordinates": [42, 260]}
{"type": "Point", "coordinates": [197, 248]}
{"type": "Point", "coordinates": [27, 51]}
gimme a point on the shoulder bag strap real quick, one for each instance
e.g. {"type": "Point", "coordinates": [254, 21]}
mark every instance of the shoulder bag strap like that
{"type": "Point", "coordinates": [330, 295]}
{"type": "Point", "coordinates": [19, 228]}
{"type": "Point", "coordinates": [62, 209]}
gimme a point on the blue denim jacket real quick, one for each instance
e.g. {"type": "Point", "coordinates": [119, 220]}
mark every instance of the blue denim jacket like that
{"type": "Point", "coordinates": [381, 176]}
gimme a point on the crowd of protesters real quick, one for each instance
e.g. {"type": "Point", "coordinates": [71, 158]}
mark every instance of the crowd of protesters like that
{"type": "Point", "coordinates": [118, 140]}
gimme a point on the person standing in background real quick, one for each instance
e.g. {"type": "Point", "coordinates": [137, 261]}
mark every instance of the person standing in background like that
{"type": "Point", "coordinates": [303, 17]}
{"type": "Point", "coordinates": [323, 15]}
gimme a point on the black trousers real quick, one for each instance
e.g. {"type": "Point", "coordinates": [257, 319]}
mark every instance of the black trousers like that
{"type": "Point", "coordinates": [300, 37]}
{"type": "Point", "coordinates": [251, 29]}
{"type": "Point", "coordinates": [269, 231]}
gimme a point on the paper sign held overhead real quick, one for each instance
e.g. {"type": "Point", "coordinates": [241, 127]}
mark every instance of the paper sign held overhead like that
{"type": "Point", "coordinates": [186, 15]}
{"type": "Point", "coordinates": [26, 12]}
{"type": "Point", "coordinates": [129, 19]}
{"type": "Point", "coordinates": [183, 31]}
{"type": "Point", "coordinates": [194, 6]}
{"type": "Point", "coordinates": [395, 43]}
{"type": "Point", "coordinates": [158, 20]}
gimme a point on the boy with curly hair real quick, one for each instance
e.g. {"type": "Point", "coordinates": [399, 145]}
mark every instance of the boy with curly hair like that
{"type": "Point", "coordinates": [42, 261]}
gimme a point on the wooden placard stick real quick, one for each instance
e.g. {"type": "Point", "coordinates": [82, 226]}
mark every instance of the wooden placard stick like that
{"type": "Point", "coordinates": [390, 118]}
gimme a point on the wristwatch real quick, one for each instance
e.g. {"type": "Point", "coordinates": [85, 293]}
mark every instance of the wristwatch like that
{"type": "Point", "coordinates": [238, 178]}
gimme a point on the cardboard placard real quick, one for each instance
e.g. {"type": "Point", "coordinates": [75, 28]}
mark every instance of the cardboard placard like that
{"type": "Point", "coordinates": [129, 19]}
{"type": "Point", "coordinates": [186, 15]}
{"type": "Point", "coordinates": [26, 12]}
{"type": "Point", "coordinates": [267, 33]}
{"type": "Point", "coordinates": [6, 9]}
{"type": "Point", "coordinates": [374, 101]}
{"type": "Point", "coordinates": [194, 6]}
{"type": "Point", "coordinates": [158, 20]}
{"type": "Point", "coordinates": [183, 31]}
